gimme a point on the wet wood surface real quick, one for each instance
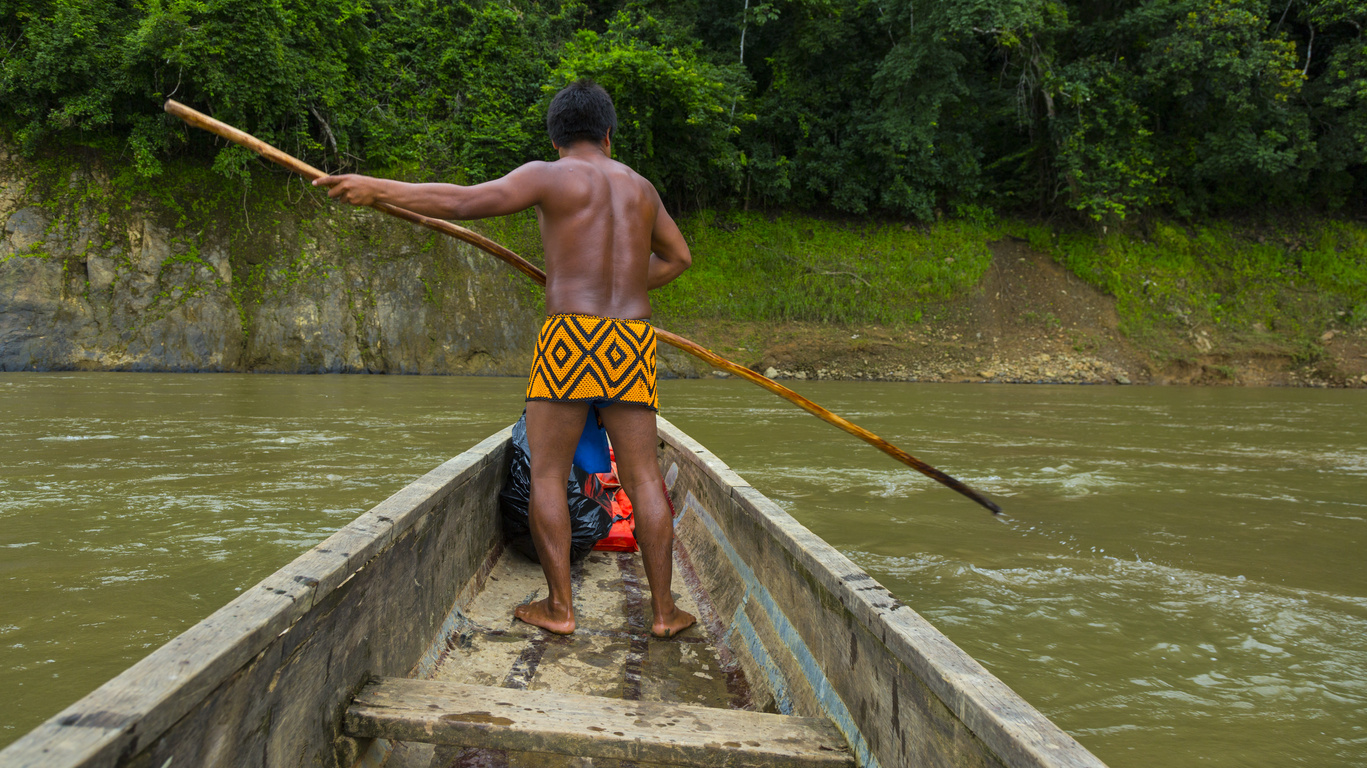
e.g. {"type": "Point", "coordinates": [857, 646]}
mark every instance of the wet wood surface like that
{"type": "Point", "coordinates": [611, 654]}
{"type": "Point", "coordinates": [590, 726]}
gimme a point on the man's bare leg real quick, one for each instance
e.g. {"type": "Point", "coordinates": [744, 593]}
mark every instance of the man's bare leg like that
{"type": "Point", "coordinates": [553, 431]}
{"type": "Point", "coordinates": [632, 431]}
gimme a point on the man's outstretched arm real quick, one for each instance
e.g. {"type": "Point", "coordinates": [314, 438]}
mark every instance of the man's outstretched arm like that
{"type": "Point", "coordinates": [669, 253]}
{"type": "Point", "coordinates": [515, 192]}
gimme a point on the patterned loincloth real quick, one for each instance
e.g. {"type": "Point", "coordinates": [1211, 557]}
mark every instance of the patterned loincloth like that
{"type": "Point", "coordinates": [582, 358]}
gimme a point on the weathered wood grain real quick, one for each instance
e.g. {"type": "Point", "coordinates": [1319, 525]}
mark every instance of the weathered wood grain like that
{"type": "Point", "coordinates": [770, 688]}
{"type": "Point", "coordinates": [901, 691]}
{"type": "Point", "coordinates": [591, 726]}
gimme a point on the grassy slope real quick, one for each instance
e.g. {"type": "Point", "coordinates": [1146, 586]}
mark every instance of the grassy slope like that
{"type": "Point", "coordinates": [1180, 290]}
{"type": "Point", "coordinates": [751, 267]}
{"type": "Point", "coordinates": [1240, 286]}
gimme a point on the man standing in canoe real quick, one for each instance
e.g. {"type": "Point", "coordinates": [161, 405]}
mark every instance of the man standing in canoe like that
{"type": "Point", "coordinates": [608, 240]}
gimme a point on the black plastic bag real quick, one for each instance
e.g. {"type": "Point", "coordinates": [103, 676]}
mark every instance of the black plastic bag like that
{"type": "Point", "coordinates": [589, 521]}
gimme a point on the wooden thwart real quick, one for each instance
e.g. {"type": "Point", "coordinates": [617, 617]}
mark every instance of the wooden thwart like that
{"type": "Point", "coordinates": [454, 714]}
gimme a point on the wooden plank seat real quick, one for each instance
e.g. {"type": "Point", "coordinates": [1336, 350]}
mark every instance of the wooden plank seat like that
{"type": "Point", "coordinates": [455, 714]}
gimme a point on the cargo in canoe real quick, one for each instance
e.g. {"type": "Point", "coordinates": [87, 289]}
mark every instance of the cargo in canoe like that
{"type": "Point", "coordinates": [392, 643]}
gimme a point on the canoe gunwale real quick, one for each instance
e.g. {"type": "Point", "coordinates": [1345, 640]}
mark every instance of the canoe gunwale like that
{"type": "Point", "coordinates": [136, 707]}
{"type": "Point", "coordinates": [1018, 734]}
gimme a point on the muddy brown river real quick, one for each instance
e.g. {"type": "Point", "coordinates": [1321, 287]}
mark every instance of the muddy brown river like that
{"type": "Point", "coordinates": [1181, 579]}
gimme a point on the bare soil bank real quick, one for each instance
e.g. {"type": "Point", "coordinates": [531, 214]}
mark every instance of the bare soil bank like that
{"type": "Point", "coordinates": [1029, 321]}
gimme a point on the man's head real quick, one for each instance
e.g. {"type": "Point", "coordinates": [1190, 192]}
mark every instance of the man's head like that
{"type": "Point", "coordinates": [582, 111]}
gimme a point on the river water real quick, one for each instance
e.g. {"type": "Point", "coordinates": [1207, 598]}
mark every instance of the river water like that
{"type": "Point", "coordinates": [1180, 579]}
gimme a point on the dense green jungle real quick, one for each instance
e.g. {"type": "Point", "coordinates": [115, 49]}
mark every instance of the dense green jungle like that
{"type": "Point", "coordinates": [1200, 162]}
{"type": "Point", "coordinates": [894, 108]}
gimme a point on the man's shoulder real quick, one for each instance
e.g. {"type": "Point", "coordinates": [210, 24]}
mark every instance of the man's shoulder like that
{"type": "Point", "coordinates": [558, 169]}
{"type": "Point", "coordinates": [534, 167]}
{"type": "Point", "coordinates": [636, 178]}
{"type": "Point", "coordinates": [615, 172]}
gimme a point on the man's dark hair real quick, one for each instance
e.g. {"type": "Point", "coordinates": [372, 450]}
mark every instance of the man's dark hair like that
{"type": "Point", "coordinates": [582, 111]}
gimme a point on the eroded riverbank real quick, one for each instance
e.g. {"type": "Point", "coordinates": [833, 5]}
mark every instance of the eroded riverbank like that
{"type": "Point", "coordinates": [102, 271]}
{"type": "Point", "coordinates": [1032, 321]}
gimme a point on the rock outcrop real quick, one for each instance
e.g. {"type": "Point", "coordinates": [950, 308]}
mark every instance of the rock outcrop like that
{"type": "Point", "coordinates": [98, 273]}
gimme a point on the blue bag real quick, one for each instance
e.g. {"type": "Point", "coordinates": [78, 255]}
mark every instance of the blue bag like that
{"type": "Point", "coordinates": [591, 455]}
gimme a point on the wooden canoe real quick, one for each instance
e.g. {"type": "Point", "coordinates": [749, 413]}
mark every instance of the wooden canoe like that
{"type": "Point", "coordinates": [392, 643]}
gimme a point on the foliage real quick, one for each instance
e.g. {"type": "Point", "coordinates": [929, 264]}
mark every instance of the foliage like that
{"type": "Point", "coordinates": [888, 107]}
{"type": "Point", "coordinates": [672, 106]}
{"type": "Point", "coordinates": [410, 83]}
{"type": "Point", "coordinates": [1107, 155]}
{"type": "Point", "coordinates": [455, 88]}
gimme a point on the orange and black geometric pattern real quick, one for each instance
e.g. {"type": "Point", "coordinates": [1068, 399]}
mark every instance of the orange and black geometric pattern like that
{"type": "Point", "coordinates": [582, 358]}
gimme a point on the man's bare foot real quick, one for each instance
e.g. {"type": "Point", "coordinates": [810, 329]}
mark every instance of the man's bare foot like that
{"type": "Point", "coordinates": [542, 614]}
{"type": "Point", "coordinates": [673, 624]}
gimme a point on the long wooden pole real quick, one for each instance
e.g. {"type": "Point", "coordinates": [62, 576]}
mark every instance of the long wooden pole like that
{"type": "Point", "coordinates": [201, 120]}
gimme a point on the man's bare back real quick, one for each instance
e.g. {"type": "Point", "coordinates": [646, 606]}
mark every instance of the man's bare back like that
{"type": "Point", "coordinates": [608, 240]}
{"type": "Point", "coordinates": [607, 237]}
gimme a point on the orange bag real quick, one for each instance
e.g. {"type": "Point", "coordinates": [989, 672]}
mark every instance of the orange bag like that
{"type": "Point", "coordinates": [606, 489]}
{"type": "Point", "coordinates": [622, 536]}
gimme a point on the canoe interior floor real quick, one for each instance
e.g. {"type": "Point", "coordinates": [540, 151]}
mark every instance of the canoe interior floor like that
{"type": "Point", "coordinates": [611, 653]}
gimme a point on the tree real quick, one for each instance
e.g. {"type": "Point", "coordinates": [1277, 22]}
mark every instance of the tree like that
{"type": "Point", "coordinates": [674, 108]}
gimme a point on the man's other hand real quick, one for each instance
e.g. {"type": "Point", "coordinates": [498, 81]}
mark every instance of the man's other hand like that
{"type": "Point", "coordinates": [351, 188]}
